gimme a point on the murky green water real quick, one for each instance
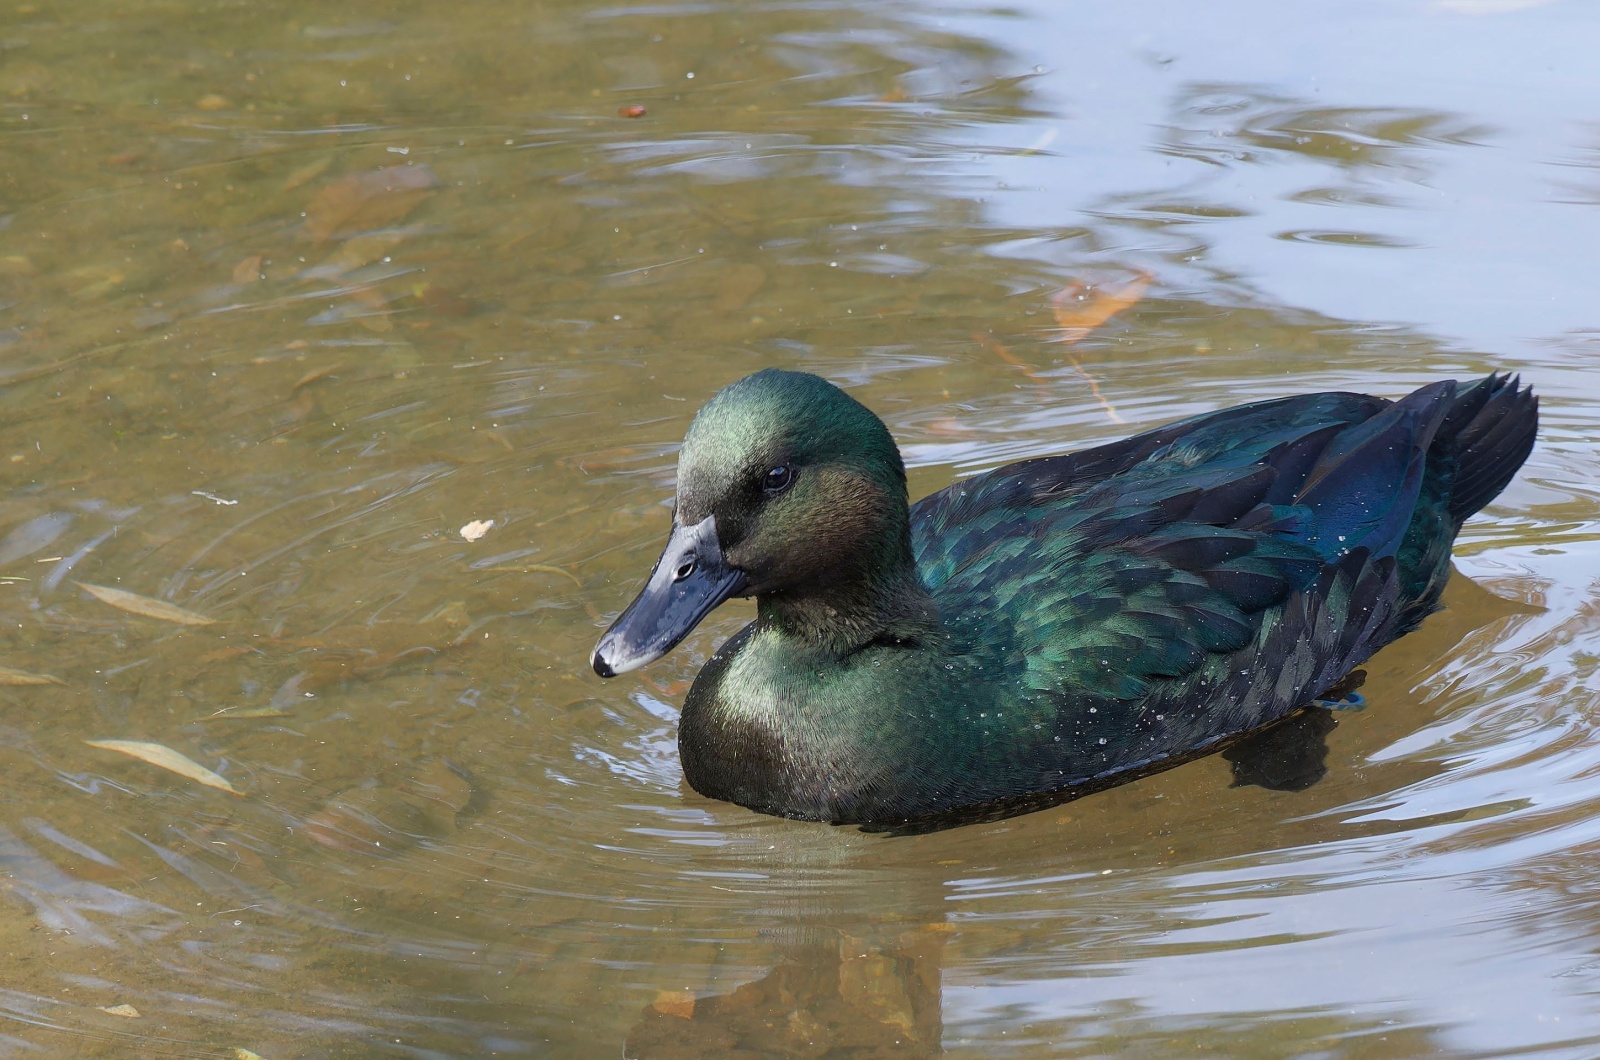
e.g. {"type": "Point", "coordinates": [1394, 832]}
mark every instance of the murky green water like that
{"type": "Point", "coordinates": [289, 294]}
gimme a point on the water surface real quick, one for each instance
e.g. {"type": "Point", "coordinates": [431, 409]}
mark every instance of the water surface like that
{"type": "Point", "coordinates": [290, 294]}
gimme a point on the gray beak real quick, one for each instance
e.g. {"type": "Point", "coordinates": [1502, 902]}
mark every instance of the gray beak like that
{"type": "Point", "coordinates": [690, 579]}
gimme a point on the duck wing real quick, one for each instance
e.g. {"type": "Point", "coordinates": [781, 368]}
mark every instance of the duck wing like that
{"type": "Point", "coordinates": [1260, 536]}
{"type": "Point", "coordinates": [1248, 432]}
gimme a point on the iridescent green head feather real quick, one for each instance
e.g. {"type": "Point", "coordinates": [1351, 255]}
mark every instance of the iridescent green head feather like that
{"type": "Point", "coordinates": [775, 418]}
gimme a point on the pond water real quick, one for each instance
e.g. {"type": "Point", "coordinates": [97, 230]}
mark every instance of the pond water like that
{"type": "Point", "coordinates": [291, 293]}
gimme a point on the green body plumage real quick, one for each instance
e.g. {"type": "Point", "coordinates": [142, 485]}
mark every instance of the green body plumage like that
{"type": "Point", "coordinates": [1054, 625]}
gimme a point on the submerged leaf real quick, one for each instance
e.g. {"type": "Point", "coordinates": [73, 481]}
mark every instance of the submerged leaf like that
{"type": "Point", "coordinates": [166, 758]}
{"type": "Point", "coordinates": [737, 286]}
{"type": "Point", "coordinates": [380, 821]}
{"type": "Point", "coordinates": [678, 1003]}
{"type": "Point", "coordinates": [360, 202]}
{"type": "Point", "coordinates": [9, 676]}
{"type": "Point", "coordinates": [228, 713]}
{"type": "Point", "coordinates": [312, 376]}
{"type": "Point", "coordinates": [875, 983]}
{"type": "Point", "coordinates": [443, 782]}
{"type": "Point", "coordinates": [358, 251]}
{"type": "Point", "coordinates": [248, 270]}
{"type": "Point", "coordinates": [308, 172]}
{"type": "Point", "coordinates": [543, 568]}
{"type": "Point", "coordinates": [145, 605]}
{"type": "Point", "coordinates": [387, 817]}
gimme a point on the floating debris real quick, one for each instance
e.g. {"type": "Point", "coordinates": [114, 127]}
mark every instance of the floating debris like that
{"type": "Point", "coordinates": [125, 1011]}
{"type": "Point", "coordinates": [476, 529]}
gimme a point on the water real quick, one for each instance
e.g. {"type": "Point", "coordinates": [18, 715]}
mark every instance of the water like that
{"type": "Point", "coordinates": [252, 369]}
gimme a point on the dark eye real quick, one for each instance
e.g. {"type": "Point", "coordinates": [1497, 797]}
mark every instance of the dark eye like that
{"type": "Point", "coordinates": [777, 480]}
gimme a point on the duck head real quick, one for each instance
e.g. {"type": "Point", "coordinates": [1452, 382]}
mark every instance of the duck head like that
{"type": "Point", "coordinates": [791, 491]}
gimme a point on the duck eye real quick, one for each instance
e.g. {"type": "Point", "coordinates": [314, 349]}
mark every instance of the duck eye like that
{"type": "Point", "coordinates": [777, 479]}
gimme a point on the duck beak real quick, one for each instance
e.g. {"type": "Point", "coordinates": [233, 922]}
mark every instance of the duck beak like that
{"type": "Point", "coordinates": [691, 578]}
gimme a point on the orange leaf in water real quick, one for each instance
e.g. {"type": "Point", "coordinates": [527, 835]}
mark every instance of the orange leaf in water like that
{"type": "Point", "coordinates": [1079, 308]}
{"type": "Point", "coordinates": [678, 1003]}
{"type": "Point", "coordinates": [443, 300]}
{"type": "Point", "coordinates": [360, 202]}
{"type": "Point", "coordinates": [671, 689]}
{"type": "Point", "coordinates": [312, 376]}
{"type": "Point", "coordinates": [248, 270]}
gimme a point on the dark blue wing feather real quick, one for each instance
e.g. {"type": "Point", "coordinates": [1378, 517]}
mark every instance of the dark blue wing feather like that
{"type": "Point", "coordinates": [1156, 557]}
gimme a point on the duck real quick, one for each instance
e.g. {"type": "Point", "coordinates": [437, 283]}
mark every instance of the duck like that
{"type": "Point", "coordinates": [1051, 627]}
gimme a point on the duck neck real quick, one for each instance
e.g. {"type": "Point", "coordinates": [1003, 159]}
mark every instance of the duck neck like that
{"type": "Point", "coordinates": [859, 603]}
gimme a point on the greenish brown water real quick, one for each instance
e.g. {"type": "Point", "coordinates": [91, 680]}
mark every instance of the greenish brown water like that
{"type": "Point", "coordinates": [289, 294]}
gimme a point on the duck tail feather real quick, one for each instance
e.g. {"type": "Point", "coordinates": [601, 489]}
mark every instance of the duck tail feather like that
{"type": "Point", "coordinates": [1489, 431]}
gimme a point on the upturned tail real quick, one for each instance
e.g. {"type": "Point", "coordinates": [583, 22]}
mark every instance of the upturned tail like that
{"type": "Point", "coordinates": [1486, 435]}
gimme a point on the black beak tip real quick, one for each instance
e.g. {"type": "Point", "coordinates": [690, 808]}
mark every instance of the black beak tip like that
{"type": "Point", "coordinates": [602, 667]}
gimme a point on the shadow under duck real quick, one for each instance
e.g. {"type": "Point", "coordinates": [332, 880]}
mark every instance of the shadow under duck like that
{"type": "Point", "coordinates": [1056, 625]}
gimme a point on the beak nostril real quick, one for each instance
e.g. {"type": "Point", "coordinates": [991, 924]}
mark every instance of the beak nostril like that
{"type": "Point", "coordinates": [690, 578]}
